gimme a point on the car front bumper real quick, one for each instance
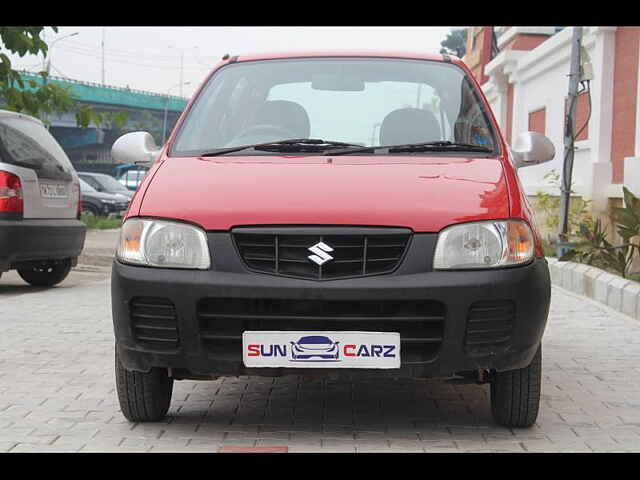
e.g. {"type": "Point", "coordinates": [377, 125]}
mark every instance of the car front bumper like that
{"type": "Point", "coordinates": [461, 295]}
{"type": "Point", "coordinates": [27, 240]}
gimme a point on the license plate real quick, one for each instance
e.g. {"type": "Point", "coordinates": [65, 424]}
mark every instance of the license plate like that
{"type": "Point", "coordinates": [321, 349]}
{"type": "Point", "coordinates": [49, 190]}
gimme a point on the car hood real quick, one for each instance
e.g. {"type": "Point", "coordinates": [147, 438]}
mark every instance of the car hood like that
{"type": "Point", "coordinates": [106, 196]}
{"type": "Point", "coordinates": [422, 193]}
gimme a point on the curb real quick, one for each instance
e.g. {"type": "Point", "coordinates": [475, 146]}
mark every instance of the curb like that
{"type": "Point", "coordinates": [611, 290]}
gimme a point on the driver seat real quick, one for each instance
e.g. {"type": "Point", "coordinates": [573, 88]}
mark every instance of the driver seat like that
{"type": "Point", "coordinates": [283, 113]}
{"type": "Point", "coordinates": [409, 125]}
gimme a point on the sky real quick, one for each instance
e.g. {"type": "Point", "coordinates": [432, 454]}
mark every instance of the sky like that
{"type": "Point", "coordinates": [148, 58]}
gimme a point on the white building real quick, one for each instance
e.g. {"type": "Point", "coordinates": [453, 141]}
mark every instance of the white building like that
{"type": "Point", "coordinates": [527, 82]}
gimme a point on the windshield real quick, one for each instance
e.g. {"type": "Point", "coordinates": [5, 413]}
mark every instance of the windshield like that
{"type": "Point", "coordinates": [359, 101]}
{"type": "Point", "coordinates": [110, 183]}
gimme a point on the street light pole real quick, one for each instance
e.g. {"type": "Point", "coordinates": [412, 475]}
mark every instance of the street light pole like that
{"type": "Point", "coordinates": [166, 108]}
{"type": "Point", "coordinates": [182, 50]}
{"type": "Point", "coordinates": [48, 68]}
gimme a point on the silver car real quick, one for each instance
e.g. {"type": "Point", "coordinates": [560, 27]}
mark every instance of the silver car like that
{"type": "Point", "coordinates": [41, 235]}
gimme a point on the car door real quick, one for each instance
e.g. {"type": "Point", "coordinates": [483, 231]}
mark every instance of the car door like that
{"type": "Point", "coordinates": [50, 186]}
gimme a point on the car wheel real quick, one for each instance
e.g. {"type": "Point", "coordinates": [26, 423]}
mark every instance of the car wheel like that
{"type": "Point", "coordinates": [89, 210]}
{"type": "Point", "coordinates": [46, 274]}
{"type": "Point", "coordinates": [143, 397]}
{"type": "Point", "coordinates": [515, 394]}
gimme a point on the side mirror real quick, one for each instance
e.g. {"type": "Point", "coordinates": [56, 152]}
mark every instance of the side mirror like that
{"type": "Point", "coordinates": [531, 148]}
{"type": "Point", "coordinates": [135, 147]}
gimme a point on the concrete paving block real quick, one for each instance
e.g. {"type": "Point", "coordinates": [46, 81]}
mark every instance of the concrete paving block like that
{"type": "Point", "coordinates": [631, 299]}
{"type": "Point", "coordinates": [614, 296]}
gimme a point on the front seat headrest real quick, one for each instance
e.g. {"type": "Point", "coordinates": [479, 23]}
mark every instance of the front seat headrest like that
{"type": "Point", "coordinates": [409, 125]}
{"type": "Point", "coordinates": [289, 115]}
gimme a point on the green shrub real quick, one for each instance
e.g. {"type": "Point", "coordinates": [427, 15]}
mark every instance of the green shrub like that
{"type": "Point", "coordinates": [100, 223]}
{"type": "Point", "coordinates": [550, 205]}
{"type": "Point", "coordinates": [594, 248]}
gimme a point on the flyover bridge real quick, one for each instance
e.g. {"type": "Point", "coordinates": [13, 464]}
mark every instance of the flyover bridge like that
{"type": "Point", "coordinates": [89, 148]}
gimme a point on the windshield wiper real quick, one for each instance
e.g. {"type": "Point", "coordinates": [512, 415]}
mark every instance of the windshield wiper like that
{"type": "Point", "coordinates": [440, 145]}
{"type": "Point", "coordinates": [292, 145]}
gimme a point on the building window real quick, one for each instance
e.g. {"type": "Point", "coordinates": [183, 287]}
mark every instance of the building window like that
{"type": "Point", "coordinates": [537, 121]}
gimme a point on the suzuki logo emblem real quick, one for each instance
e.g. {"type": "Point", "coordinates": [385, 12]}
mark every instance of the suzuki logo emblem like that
{"type": "Point", "coordinates": [320, 250]}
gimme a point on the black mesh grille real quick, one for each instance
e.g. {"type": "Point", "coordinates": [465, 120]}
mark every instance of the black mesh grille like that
{"type": "Point", "coordinates": [154, 322]}
{"type": "Point", "coordinates": [420, 323]}
{"type": "Point", "coordinates": [489, 326]}
{"type": "Point", "coordinates": [352, 255]}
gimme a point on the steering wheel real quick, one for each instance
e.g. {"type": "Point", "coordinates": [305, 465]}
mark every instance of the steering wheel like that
{"type": "Point", "coordinates": [278, 132]}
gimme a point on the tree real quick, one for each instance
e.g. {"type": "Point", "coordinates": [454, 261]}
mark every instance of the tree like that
{"type": "Point", "coordinates": [32, 98]}
{"type": "Point", "coordinates": [455, 43]}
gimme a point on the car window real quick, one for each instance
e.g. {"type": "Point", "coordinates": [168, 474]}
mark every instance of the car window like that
{"type": "Point", "coordinates": [85, 187]}
{"type": "Point", "coordinates": [91, 181]}
{"type": "Point", "coordinates": [28, 144]}
{"type": "Point", "coordinates": [364, 101]}
{"type": "Point", "coordinates": [110, 183]}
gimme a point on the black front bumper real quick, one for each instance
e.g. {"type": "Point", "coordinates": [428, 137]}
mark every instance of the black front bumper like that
{"type": "Point", "coordinates": [525, 288]}
{"type": "Point", "coordinates": [27, 240]}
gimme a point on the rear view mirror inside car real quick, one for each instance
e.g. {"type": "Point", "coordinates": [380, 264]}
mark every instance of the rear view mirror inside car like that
{"type": "Point", "coordinates": [337, 82]}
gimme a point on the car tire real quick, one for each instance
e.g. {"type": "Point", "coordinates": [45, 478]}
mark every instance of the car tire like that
{"type": "Point", "coordinates": [143, 397]}
{"type": "Point", "coordinates": [47, 274]}
{"type": "Point", "coordinates": [90, 210]}
{"type": "Point", "coordinates": [515, 394]}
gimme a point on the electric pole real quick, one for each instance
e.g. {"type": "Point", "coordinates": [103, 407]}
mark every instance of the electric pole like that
{"type": "Point", "coordinates": [569, 150]}
{"type": "Point", "coordinates": [103, 56]}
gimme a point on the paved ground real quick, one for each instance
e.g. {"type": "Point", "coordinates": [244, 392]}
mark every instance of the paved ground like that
{"type": "Point", "coordinates": [57, 391]}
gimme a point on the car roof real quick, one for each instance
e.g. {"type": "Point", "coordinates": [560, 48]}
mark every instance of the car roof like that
{"type": "Point", "coordinates": [342, 53]}
{"type": "Point", "coordinates": [94, 174]}
{"type": "Point", "coordinates": [9, 113]}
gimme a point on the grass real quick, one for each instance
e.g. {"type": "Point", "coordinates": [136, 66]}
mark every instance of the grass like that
{"type": "Point", "coordinates": [100, 223]}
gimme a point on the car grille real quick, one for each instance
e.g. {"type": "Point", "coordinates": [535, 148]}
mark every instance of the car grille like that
{"type": "Point", "coordinates": [354, 255]}
{"type": "Point", "coordinates": [154, 322]}
{"type": "Point", "coordinates": [489, 326]}
{"type": "Point", "coordinates": [419, 322]}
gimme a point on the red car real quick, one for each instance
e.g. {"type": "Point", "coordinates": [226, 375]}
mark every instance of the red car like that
{"type": "Point", "coordinates": [368, 198]}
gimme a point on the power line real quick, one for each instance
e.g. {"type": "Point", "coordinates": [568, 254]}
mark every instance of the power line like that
{"type": "Point", "coordinates": [117, 51]}
{"type": "Point", "coordinates": [121, 60]}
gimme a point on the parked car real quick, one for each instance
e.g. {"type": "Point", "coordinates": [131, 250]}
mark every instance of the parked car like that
{"type": "Point", "coordinates": [101, 203]}
{"type": "Point", "coordinates": [367, 198]}
{"type": "Point", "coordinates": [40, 234]}
{"type": "Point", "coordinates": [131, 175]}
{"type": "Point", "coordinates": [104, 183]}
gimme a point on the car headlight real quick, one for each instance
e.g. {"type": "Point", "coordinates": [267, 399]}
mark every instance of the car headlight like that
{"type": "Point", "coordinates": [110, 202]}
{"type": "Point", "coordinates": [161, 243]}
{"type": "Point", "coordinates": [497, 243]}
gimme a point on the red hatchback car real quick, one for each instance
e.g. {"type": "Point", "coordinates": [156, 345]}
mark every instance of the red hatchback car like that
{"type": "Point", "coordinates": [361, 208]}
